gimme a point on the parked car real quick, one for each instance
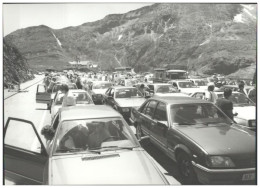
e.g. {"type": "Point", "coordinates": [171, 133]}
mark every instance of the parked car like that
{"type": "Point", "coordinates": [242, 105]}
{"type": "Point", "coordinates": [92, 145]}
{"type": "Point", "coordinates": [99, 89]}
{"type": "Point", "coordinates": [163, 89]}
{"type": "Point", "coordinates": [184, 86]}
{"type": "Point", "coordinates": [123, 99]}
{"type": "Point", "coordinates": [81, 97]}
{"type": "Point", "coordinates": [205, 143]}
{"type": "Point", "coordinates": [57, 87]}
{"type": "Point", "coordinates": [201, 83]}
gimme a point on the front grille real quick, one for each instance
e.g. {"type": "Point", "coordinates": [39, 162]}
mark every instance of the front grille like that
{"type": "Point", "coordinates": [245, 163]}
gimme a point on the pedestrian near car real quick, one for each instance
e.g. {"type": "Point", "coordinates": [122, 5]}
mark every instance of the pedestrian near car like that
{"type": "Point", "coordinates": [241, 86]}
{"type": "Point", "coordinates": [210, 95]}
{"type": "Point", "coordinates": [48, 132]}
{"type": "Point", "coordinates": [78, 83]}
{"type": "Point", "coordinates": [142, 89]}
{"type": "Point", "coordinates": [225, 104]}
{"type": "Point", "coordinates": [67, 100]}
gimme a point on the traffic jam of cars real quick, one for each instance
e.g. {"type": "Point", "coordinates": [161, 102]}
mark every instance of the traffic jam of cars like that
{"type": "Point", "coordinates": [102, 123]}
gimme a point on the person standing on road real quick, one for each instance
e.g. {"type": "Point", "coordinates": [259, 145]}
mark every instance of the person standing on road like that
{"type": "Point", "coordinates": [67, 100]}
{"type": "Point", "coordinates": [225, 104]}
{"type": "Point", "coordinates": [210, 95]}
{"type": "Point", "coordinates": [78, 83]}
{"type": "Point", "coordinates": [241, 86]}
{"type": "Point", "coordinates": [48, 132]}
{"type": "Point", "coordinates": [142, 89]}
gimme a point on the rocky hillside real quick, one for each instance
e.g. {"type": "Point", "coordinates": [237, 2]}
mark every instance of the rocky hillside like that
{"type": "Point", "coordinates": [15, 67]}
{"type": "Point", "coordinates": [208, 38]}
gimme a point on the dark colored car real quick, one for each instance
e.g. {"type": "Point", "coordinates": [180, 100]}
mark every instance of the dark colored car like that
{"type": "Point", "coordinates": [204, 142]}
{"type": "Point", "coordinates": [123, 99]}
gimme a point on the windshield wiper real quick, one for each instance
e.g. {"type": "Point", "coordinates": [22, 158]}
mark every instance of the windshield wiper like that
{"type": "Point", "coordinates": [113, 147]}
{"type": "Point", "coordinates": [186, 123]}
{"type": "Point", "coordinates": [73, 150]}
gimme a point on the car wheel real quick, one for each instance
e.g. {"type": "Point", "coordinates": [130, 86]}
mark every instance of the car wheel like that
{"type": "Point", "coordinates": [186, 169]}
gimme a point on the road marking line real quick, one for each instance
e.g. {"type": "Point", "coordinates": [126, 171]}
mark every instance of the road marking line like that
{"type": "Point", "coordinates": [35, 141]}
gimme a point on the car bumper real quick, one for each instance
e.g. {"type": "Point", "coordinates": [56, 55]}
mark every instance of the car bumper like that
{"type": "Point", "coordinates": [223, 176]}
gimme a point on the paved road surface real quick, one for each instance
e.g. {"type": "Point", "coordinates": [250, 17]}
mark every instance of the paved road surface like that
{"type": "Point", "coordinates": [22, 105]}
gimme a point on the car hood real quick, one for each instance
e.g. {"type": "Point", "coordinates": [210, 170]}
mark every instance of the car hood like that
{"type": "Point", "coordinates": [99, 91]}
{"type": "Point", "coordinates": [130, 102]}
{"type": "Point", "coordinates": [221, 139]}
{"type": "Point", "coordinates": [190, 90]}
{"type": "Point", "coordinates": [245, 112]}
{"type": "Point", "coordinates": [171, 94]}
{"type": "Point", "coordinates": [128, 167]}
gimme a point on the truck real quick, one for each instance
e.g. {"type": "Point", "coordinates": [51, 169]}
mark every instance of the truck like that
{"type": "Point", "coordinates": [171, 72]}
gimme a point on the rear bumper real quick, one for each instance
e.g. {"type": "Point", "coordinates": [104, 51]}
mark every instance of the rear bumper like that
{"type": "Point", "coordinates": [223, 176]}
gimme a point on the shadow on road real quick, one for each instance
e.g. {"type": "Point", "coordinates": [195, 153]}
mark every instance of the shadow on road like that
{"type": "Point", "coordinates": [168, 164]}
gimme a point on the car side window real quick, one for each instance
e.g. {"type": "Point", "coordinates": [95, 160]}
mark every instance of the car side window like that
{"type": "Point", "coordinates": [21, 134]}
{"type": "Point", "coordinates": [142, 110]}
{"type": "Point", "coordinates": [149, 111]}
{"type": "Point", "coordinates": [160, 112]}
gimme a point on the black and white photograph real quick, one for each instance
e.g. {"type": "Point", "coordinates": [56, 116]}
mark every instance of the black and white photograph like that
{"type": "Point", "coordinates": [129, 93]}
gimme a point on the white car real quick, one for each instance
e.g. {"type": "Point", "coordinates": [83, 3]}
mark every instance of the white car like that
{"type": "Point", "coordinates": [81, 97]}
{"type": "Point", "coordinates": [163, 90]}
{"type": "Point", "coordinates": [184, 86]}
{"type": "Point", "coordinates": [201, 83]}
{"type": "Point", "coordinates": [242, 105]}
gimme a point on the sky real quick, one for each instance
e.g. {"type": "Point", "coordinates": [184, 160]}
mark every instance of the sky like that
{"type": "Point", "coordinates": [57, 16]}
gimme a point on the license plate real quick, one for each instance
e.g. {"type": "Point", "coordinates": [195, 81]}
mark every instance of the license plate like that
{"type": "Point", "coordinates": [250, 176]}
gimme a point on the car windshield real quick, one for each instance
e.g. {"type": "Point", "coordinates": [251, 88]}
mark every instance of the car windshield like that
{"type": "Point", "coordinates": [166, 89]}
{"type": "Point", "coordinates": [93, 135]}
{"type": "Point", "coordinates": [238, 99]}
{"type": "Point", "coordinates": [200, 83]}
{"type": "Point", "coordinates": [81, 98]}
{"type": "Point", "coordinates": [186, 85]}
{"type": "Point", "coordinates": [201, 113]}
{"type": "Point", "coordinates": [101, 85]}
{"type": "Point", "coordinates": [128, 93]}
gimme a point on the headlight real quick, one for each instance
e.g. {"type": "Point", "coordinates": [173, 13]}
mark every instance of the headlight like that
{"type": "Point", "coordinates": [220, 161]}
{"type": "Point", "coordinates": [125, 109]}
{"type": "Point", "coordinates": [251, 123]}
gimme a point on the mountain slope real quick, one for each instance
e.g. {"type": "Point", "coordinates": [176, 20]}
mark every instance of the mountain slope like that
{"type": "Point", "coordinates": [16, 68]}
{"type": "Point", "coordinates": [208, 38]}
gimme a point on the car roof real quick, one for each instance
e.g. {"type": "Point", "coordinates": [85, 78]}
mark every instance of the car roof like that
{"type": "Point", "coordinates": [87, 112]}
{"type": "Point", "coordinates": [159, 84]}
{"type": "Point", "coordinates": [121, 87]}
{"type": "Point", "coordinates": [178, 100]}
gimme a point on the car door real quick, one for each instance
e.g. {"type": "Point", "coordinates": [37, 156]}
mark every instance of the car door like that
{"type": "Point", "coordinates": [25, 157]}
{"type": "Point", "coordinates": [147, 116]}
{"type": "Point", "coordinates": [159, 125]}
{"type": "Point", "coordinates": [110, 97]}
{"type": "Point", "coordinates": [42, 96]}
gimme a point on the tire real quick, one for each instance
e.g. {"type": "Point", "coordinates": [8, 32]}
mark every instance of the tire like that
{"type": "Point", "coordinates": [186, 170]}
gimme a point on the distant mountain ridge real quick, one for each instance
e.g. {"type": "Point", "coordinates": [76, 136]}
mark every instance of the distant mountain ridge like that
{"type": "Point", "coordinates": [208, 38]}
